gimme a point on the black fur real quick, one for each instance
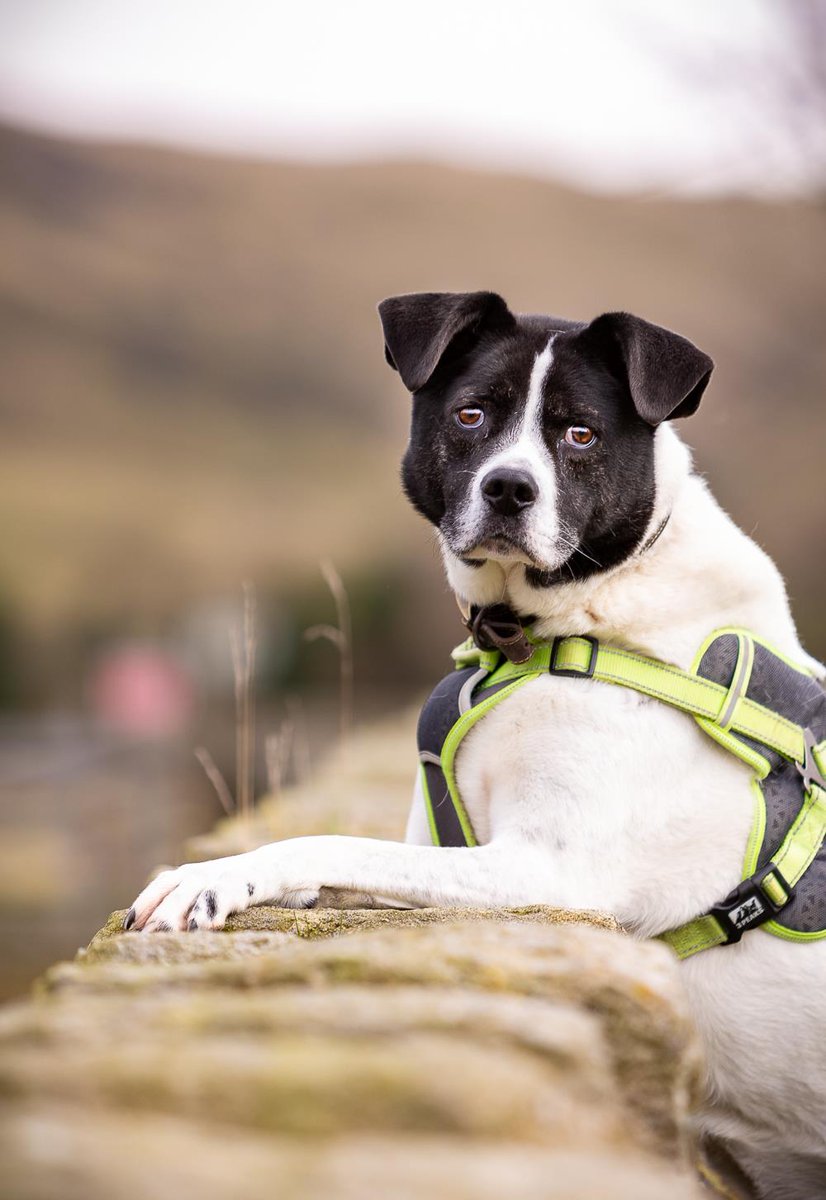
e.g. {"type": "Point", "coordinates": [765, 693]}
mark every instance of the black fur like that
{"type": "Point", "coordinates": [419, 329]}
{"type": "Point", "coordinates": [618, 374]}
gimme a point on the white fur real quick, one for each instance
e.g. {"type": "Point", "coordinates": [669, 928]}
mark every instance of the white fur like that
{"type": "Point", "coordinates": [591, 796]}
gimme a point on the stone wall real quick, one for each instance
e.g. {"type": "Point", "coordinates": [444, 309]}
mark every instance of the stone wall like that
{"type": "Point", "coordinates": [346, 1053]}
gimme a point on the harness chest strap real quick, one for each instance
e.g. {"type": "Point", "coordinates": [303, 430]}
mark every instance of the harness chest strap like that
{"type": "Point", "coordinates": [728, 708]}
{"type": "Point", "coordinates": [721, 711]}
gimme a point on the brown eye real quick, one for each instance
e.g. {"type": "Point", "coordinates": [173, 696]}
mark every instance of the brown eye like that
{"type": "Point", "coordinates": [580, 436]}
{"type": "Point", "coordinates": [470, 417]}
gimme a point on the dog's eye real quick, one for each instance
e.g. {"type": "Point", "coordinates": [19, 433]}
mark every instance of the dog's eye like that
{"type": "Point", "coordinates": [580, 436]}
{"type": "Point", "coordinates": [470, 417]}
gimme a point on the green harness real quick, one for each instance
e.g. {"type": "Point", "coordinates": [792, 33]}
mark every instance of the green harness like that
{"type": "Point", "coordinates": [754, 702]}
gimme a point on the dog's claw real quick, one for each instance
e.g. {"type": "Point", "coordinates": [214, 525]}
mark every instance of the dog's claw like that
{"type": "Point", "coordinates": [192, 925]}
{"type": "Point", "coordinates": [129, 919]}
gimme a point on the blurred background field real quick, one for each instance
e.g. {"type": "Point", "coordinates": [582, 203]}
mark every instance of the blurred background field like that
{"type": "Point", "coordinates": [193, 388]}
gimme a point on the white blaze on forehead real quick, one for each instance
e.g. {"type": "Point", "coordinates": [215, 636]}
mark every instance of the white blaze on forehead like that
{"type": "Point", "coordinates": [524, 449]}
{"type": "Point", "coordinates": [527, 444]}
{"type": "Point", "coordinates": [532, 420]}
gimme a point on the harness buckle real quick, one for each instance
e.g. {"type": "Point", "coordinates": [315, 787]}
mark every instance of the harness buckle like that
{"type": "Point", "coordinates": [750, 904]}
{"type": "Point", "coordinates": [588, 673]}
{"type": "Point", "coordinates": [808, 769]}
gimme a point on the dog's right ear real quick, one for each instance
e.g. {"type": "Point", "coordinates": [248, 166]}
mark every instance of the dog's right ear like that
{"type": "Point", "coordinates": [420, 328]}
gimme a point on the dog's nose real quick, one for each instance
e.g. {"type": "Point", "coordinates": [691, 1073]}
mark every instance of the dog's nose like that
{"type": "Point", "coordinates": [508, 491]}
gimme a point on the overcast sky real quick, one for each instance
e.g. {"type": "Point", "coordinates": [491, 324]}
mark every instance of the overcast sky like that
{"type": "Point", "coordinates": [593, 91]}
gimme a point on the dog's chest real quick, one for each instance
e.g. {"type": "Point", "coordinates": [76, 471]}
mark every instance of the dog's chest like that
{"type": "Point", "coordinates": [585, 765]}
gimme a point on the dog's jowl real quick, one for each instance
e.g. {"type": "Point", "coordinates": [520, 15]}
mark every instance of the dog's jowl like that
{"type": "Point", "coordinates": [633, 725]}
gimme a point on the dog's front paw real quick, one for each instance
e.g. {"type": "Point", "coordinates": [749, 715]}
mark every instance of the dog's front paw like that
{"type": "Point", "coordinates": [196, 896]}
{"type": "Point", "coordinates": [203, 895]}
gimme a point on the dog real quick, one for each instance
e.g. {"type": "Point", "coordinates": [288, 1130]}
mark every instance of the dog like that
{"type": "Point", "coordinates": [542, 452]}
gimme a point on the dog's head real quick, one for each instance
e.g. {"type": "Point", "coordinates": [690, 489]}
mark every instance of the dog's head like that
{"type": "Point", "coordinates": [533, 438]}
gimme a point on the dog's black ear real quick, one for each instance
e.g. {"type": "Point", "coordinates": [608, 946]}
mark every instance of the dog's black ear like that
{"type": "Point", "coordinates": [420, 327]}
{"type": "Point", "coordinates": [666, 373]}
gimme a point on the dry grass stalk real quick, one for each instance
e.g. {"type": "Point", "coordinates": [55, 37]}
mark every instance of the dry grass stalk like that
{"type": "Point", "coordinates": [301, 741]}
{"type": "Point", "coordinates": [342, 638]}
{"type": "Point", "coordinates": [278, 751]}
{"type": "Point", "coordinates": [216, 779]}
{"type": "Point", "coordinates": [243, 646]}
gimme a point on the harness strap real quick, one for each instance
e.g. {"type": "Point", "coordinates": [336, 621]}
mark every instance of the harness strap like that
{"type": "Point", "coordinates": [585, 657]}
{"type": "Point", "coordinates": [721, 711]}
{"type": "Point", "coordinates": [727, 708]}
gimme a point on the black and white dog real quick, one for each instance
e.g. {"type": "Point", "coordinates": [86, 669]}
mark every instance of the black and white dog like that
{"type": "Point", "coordinates": [541, 452]}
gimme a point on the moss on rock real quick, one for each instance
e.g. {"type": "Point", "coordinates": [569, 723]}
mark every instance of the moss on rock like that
{"type": "Point", "coordinates": [329, 922]}
{"type": "Point", "coordinates": [551, 959]}
{"type": "Point", "coordinates": [344, 1051]}
{"type": "Point", "coordinates": [110, 943]}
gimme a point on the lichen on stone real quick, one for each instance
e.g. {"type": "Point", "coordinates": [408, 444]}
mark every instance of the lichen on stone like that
{"type": "Point", "coordinates": [340, 1051]}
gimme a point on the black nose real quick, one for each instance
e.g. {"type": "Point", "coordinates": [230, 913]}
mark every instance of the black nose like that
{"type": "Point", "coordinates": [508, 491]}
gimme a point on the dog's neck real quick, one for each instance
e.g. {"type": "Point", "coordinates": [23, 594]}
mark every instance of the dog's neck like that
{"type": "Point", "coordinates": [699, 574]}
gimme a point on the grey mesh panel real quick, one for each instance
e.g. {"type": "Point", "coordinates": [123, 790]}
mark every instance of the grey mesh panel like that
{"type": "Point", "coordinates": [801, 699]}
{"type": "Point", "coordinates": [439, 715]}
{"type": "Point", "coordinates": [441, 710]}
{"type": "Point", "coordinates": [784, 690]}
{"type": "Point", "coordinates": [444, 812]}
{"type": "Point", "coordinates": [718, 661]}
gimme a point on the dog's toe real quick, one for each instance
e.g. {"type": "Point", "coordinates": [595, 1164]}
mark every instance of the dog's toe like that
{"type": "Point", "coordinates": [213, 904]}
{"type": "Point", "coordinates": [173, 912]}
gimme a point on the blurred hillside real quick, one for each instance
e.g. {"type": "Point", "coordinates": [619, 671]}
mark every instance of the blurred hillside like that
{"type": "Point", "coordinates": [194, 390]}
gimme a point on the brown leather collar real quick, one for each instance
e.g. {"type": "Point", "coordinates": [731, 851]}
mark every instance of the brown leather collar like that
{"type": "Point", "coordinates": [497, 627]}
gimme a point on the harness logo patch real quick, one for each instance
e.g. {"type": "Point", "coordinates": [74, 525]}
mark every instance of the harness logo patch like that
{"type": "Point", "coordinates": [746, 912]}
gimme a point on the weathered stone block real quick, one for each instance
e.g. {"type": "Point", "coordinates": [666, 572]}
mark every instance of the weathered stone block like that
{"type": "Point", "coordinates": [57, 1152]}
{"type": "Point", "coordinates": [334, 1053]}
{"type": "Point", "coordinates": [554, 1028]}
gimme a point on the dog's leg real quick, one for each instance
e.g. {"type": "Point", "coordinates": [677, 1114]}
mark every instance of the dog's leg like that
{"type": "Point", "coordinates": [416, 834]}
{"type": "Point", "coordinates": [202, 895]}
{"type": "Point", "coordinates": [418, 826]}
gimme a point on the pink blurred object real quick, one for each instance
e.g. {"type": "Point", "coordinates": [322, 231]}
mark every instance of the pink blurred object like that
{"type": "Point", "coordinates": [143, 691]}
